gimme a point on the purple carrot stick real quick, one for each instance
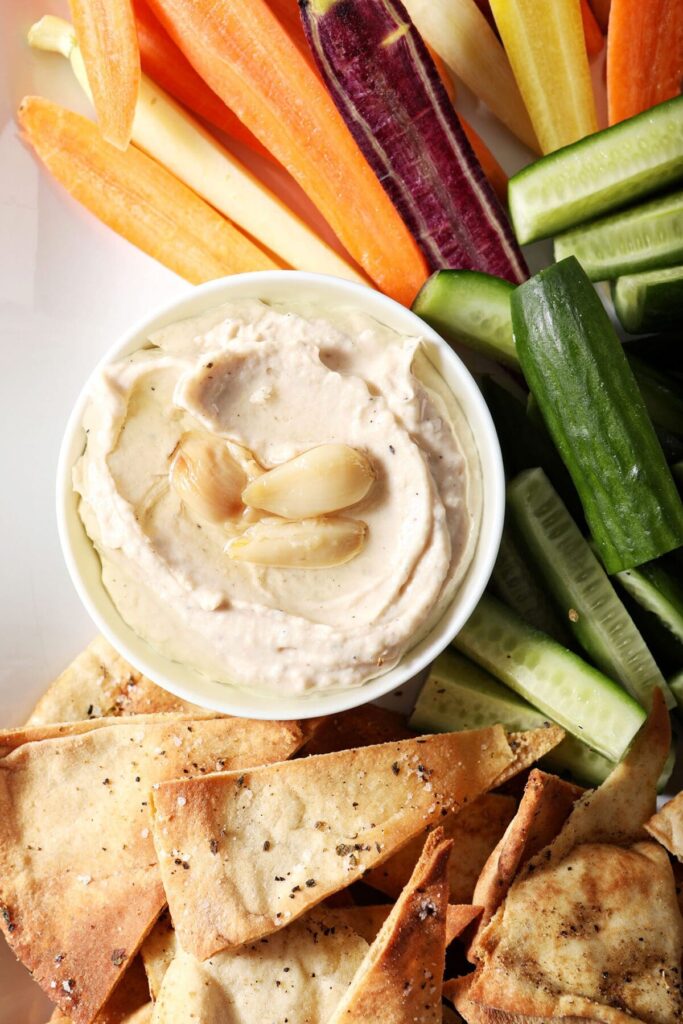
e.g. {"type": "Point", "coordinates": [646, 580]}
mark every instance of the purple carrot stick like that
{"type": "Point", "coordinates": [386, 86]}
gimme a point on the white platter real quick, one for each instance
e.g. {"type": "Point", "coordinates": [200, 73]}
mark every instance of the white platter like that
{"type": "Point", "coordinates": [68, 288]}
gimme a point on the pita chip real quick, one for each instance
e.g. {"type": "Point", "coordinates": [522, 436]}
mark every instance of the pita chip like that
{"type": "Point", "coordinates": [475, 830]}
{"type": "Point", "coordinates": [128, 1002]}
{"type": "Point", "coordinates": [358, 727]}
{"type": "Point", "coordinates": [528, 748]}
{"type": "Point", "coordinates": [597, 935]}
{"type": "Point", "coordinates": [667, 826]}
{"type": "Point", "coordinates": [79, 882]}
{"type": "Point", "coordinates": [543, 810]}
{"type": "Point", "coordinates": [161, 946]}
{"type": "Point", "coordinates": [590, 927]}
{"type": "Point", "coordinates": [400, 978]}
{"type": "Point", "coordinates": [459, 917]}
{"type": "Point", "coordinates": [143, 1015]}
{"type": "Point", "coordinates": [100, 683]}
{"type": "Point", "coordinates": [298, 974]}
{"type": "Point", "coordinates": [263, 846]}
{"type": "Point", "coordinates": [618, 809]}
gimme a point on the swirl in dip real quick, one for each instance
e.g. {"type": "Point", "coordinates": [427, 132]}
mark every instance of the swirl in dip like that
{"type": "Point", "coordinates": [278, 382]}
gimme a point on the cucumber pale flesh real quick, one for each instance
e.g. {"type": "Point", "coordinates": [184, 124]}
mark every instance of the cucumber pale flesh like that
{"type": "Point", "coordinates": [581, 588]}
{"type": "Point", "coordinates": [592, 707]}
{"type": "Point", "coordinates": [470, 308]}
{"type": "Point", "coordinates": [605, 171]}
{"type": "Point", "coordinates": [646, 237]}
{"type": "Point", "coordinates": [460, 695]}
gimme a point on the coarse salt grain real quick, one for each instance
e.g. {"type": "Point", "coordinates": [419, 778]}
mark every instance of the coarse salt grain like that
{"type": "Point", "coordinates": [144, 833]}
{"type": "Point", "coordinates": [181, 801]}
{"type": "Point", "coordinates": [84, 879]}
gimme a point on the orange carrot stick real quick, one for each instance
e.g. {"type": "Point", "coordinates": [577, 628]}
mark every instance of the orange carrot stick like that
{"type": "Point", "coordinates": [169, 68]}
{"type": "Point", "coordinates": [490, 166]}
{"type": "Point", "coordinates": [287, 13]}
{"type": "Point", "coordinates": [137, 197]}
{"type": "Point", "coordinates": [644, 55]}
{"type": "Point", "coordinates": [106, 35]}
{"type": "Point", "coordinates": [601, 11]}
{"type": "Point", "coordinates": [243, 52]}
{"type": "Point", "coordinates": [591, 30]}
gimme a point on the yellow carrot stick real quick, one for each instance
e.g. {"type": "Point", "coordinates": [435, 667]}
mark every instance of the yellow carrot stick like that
{"type": "Point", "coordinates": [545, 42]}
{"type": "Point", "coordinates": [137, 197]}
{"type": "Point", "coordinates": [109, 43]}
{"type": "Point", "coordinates": [463, 38]}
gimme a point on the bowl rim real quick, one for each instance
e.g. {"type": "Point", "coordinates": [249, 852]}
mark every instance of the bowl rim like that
{"type": "Point", "coordinates": [184, 682]}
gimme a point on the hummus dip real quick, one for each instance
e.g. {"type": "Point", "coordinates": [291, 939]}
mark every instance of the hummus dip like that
{"type": "Point", "coordinates": [279, 381]}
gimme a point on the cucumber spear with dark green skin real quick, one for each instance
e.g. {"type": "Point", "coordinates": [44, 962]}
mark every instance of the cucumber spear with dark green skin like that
{"type": "Point", "coordinates": [576, 368]}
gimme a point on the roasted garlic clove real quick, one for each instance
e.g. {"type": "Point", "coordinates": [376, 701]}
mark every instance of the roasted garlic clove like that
{"type": "Point", "coordinates": [207, 477]}
{"type": "Point", "coordinates": [324, 479]}
{"type": "Point", "coordinates": [308, 544]}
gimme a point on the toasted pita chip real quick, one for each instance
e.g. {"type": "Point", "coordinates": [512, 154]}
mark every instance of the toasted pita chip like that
{"type": "Point", "coordinates": [298, 975]}
{"type": "Point", "coordinates": [161, 946]}
{"type": "Point", "coordinates": [128, 1000]}
{"type": "Point", "coordinates": [143, 1015]}
{"type": "Point", "coordinates": [359, 727]}
{"type": "Point", "coordinates": [79, 882]}
{"type": "Point", "coordinates": [617, 810]}
{"type": "Point", "coordinates": [667, 826]}
{"type": "Point", "coordinates": [399, 981]}
{"type": "Point", "coordinates": [590, 928]}
{"type": "Point", "coordinates": [543, 810]}
{"type": "Point", "coordinates": [100, 683]}
{"type": "Point", "coordinates": [528, 748]}
{"type": "Point", "coordinates": [475, 830]}
{"type": "Point", "coordinates": [459, 917]}
{"type": "Point", "coordinates": [10, 739]}
{"type": "Point", "coordinates": [596, 935]}
{"type": "Point", "coordinates": [287, 836]}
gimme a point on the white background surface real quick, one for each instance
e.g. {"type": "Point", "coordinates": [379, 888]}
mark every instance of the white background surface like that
{"type": "Point", "coordinates": [68, 288]}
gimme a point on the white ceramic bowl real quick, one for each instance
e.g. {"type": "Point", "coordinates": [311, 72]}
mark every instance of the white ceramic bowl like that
{"type": "Point", "coordinates": [83, 563]}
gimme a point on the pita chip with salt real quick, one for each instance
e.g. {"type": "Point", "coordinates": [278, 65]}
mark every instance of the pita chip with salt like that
{"type": "Point", "coordinates": [400, 978]}
{"type": "Point", "coordinates": [79, 881]}
{"type": "Point", "coordinates": [298, 975]}
{"type": "Point", "coordinates": [264, 846]}
{"type": "Point", "coordinates": [590, 928]}
{"type": "Point", "coordinates": [128, 1003]}
{"type": "Point", "coordinates": [475, 830]}
{"type": "Point", "coordinates": [161, 946]}
{"type": "Point", "coordinates": [545, 806]}
{"type": "Point", "coordinates": [666, 826]}
{"type": "Point", "coordinates": [528, 748]}
{"type": "Point", "coordinates": [100, 683]}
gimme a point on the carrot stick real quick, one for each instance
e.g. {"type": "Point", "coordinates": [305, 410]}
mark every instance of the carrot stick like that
{"type": "Point", "coordinates": [490, 166]}
{"type": "Point", "coordinates": [137, 197]}
{"type": "Point", "coordinates": [591, 30]}
{"type": "Point", "coordinates": [287, 13]}
{"type": "Point", "coordinates": [169, 68]}
{"type": "Point", "coordinates": [644, 55]}
{"type": "Point", "coordinates": [243, 52]}
{"type": "Point", "coordinates": [106, 35]}
{"type": "Point", "coordinates": [444, 74]}
{"type": "Point", "coordinates": [601, 12]}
